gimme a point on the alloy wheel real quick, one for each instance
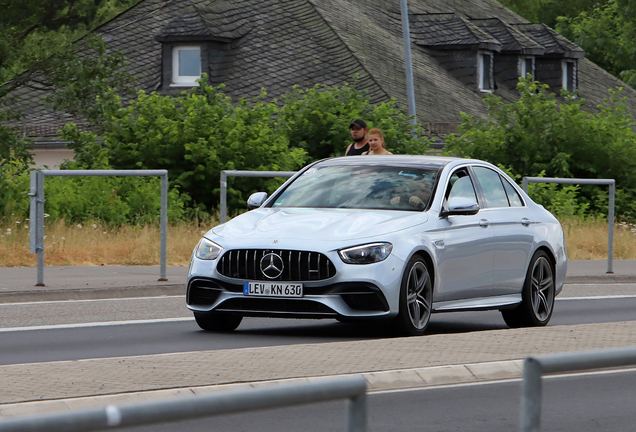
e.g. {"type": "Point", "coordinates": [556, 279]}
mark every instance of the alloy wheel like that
{"type": "Point", "coordinates": [542, 288]}
{"type": "Point", "coordinates": [419, 295]}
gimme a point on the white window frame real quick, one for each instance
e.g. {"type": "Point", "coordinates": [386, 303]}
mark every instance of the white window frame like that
{"type": "Point", "coordinates": [564, 74]}
{"type": "Point", "coordinates": [522, 66]}
{"type": "Point", "coordinates": [480, 71]}
{"type": "Point", "coordinates": [183, 80]}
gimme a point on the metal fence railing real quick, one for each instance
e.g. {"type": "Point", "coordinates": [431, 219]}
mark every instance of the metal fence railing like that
{"type": "Point", "coordinates": [353, 388]}
{"type": "Point", "coordinates": [610, 214]}
{"type": "Point", "coordinates": [36, 226]}
{"type": "Point", "coordinates": [228, 173]}
{"type": "Point", "coordinates": [535, 367]}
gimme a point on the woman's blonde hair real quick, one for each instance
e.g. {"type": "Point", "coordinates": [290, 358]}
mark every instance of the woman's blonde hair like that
{"type": "Point", "coordinates": [377, 132]}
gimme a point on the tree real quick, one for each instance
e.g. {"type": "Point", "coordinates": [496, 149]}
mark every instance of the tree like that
{"type": "Point", "coordinates": [605, 29]}
{"type": "Point", "coordinates": [538, 134]}
{"type": "Point", "coordinates": [317, 120]}
{"type": "Point", "coordinates": [39, 50]}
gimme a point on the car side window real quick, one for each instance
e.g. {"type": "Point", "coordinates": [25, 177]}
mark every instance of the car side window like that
{"type": "Point", "coordinates": [492, 187]}
{"type": "Point", "coordinates": [513, 195]}
{"type": "Point", "coordinates": [460, 185]}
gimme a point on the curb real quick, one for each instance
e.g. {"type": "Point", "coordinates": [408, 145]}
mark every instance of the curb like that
{"type": "Point", "coordinates": [376, 381]}
{"type": "Point", "coordinates": [60, 294]}
{"type": "Point", "coordinates": [600, 279]}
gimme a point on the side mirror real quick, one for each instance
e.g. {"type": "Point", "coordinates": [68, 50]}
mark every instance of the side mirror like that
{"type": "Point", "coordinates": [458, 206]}
{"type": "Point", "coordinates": [256, 200]}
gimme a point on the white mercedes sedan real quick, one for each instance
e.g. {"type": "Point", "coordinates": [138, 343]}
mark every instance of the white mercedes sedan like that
{"type": "Point", "coordinates": [392, 238]}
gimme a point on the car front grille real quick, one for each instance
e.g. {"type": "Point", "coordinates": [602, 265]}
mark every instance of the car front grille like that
{"type": "Point", "coordinates": [297, 265]}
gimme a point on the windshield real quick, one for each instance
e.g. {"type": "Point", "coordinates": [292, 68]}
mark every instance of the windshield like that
{"type": "Point", "coordinates": [363, 187]}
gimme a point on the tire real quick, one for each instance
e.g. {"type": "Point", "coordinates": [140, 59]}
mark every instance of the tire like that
{"type": "Point", "coordinates": [416, 299]}
{"type": "Point", "coordinates": [537, 297]}
{"type": "Point", "coordinates": [217, 321]}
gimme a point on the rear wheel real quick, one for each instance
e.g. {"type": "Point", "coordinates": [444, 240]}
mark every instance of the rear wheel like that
{"type": "Point", "coordinates": [416, 299]}
{"type": "Point", "coordinates": [217, 321]}
{"type": "Point", "coordinates": [537, 297]}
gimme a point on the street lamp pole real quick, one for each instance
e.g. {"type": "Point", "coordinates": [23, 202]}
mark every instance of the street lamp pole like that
{"type": "Point", "coordinates": [408, 61]}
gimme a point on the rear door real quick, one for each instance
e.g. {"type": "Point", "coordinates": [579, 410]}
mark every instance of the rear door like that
{"type": "Point", "coordinates": [513, 230]}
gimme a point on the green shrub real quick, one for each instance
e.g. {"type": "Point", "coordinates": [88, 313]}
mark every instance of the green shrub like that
{"type": "Point", "coordinates": [198, 134]}
{"type": "Point", "coordinates": [317, 120]}
{"type": "Point", "coordinates": [542, 133]}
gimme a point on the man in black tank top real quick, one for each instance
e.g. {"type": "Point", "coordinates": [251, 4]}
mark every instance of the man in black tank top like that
{"type": "Point", "coordinates": [359, 131]}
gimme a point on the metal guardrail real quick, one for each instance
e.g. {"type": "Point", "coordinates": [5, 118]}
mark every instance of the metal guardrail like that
{"type": "Point", "coordinates": [352, 388]}
{"type": "Point", "coordinates": [535, 367]}
{"type": "Point", "coordinates": [610, 214]}
{"type": "Point", "coordinates": [36, 226]}
{"type": "Point", "coordinates": [229, 173]}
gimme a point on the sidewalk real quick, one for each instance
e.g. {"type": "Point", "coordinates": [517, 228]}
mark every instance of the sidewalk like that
{"type": "Point", "coordinates": [393, 363]}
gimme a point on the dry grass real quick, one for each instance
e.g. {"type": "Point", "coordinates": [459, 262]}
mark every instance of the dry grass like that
{"type": "Point", "coordinates": [90, 244]}
{"type": "Point", "coordinates": [587, 240]}
{"type": "Point", "coordinates": [75, 245]}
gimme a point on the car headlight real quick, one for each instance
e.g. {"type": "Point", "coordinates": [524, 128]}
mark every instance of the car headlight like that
{"type": "Point", "coordinates": [366, 254]}
{"type": "Point", "coordinates": [208, 250]}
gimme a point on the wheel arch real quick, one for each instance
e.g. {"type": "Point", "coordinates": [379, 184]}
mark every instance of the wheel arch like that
{"type": "Point", "coordinates": [428, 260]}
{"type": "Point", "coordinates": [550, 255]}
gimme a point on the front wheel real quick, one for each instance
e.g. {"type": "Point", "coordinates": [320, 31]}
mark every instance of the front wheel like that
{"type": "Point", "coordinates": [537, 298]}
{"type": "Point", "coordinates": [217, 321]}
{"type": "Point", "coordinates": [416, 299]}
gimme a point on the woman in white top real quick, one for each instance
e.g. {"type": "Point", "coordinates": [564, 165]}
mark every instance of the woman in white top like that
{"type": "Point", "coordinates": [376, 143]}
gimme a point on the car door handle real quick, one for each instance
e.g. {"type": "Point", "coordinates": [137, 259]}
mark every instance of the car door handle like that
{"type": "Point", "coordinates": [484, 223]}
{"type": "Point", "coordinates": [525, 222]}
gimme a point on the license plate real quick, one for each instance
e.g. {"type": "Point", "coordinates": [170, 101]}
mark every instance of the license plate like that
{"type": "Point", "coordinates": [271, 289]}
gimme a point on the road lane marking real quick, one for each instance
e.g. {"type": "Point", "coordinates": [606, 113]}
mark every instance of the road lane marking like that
{"type": "Point", "coordinates": [92, 300]}
{"type": "Point", "coordinates": [95, 324]}
{"type": "Point", "coordinates": [610, 297]}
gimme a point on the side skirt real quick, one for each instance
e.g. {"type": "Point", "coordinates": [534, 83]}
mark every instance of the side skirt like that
{"type": "Point", "coordinates": [494, 302]}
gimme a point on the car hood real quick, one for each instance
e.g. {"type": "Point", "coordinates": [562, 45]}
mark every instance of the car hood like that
{"type": "Point", "coordinates": [318, 224]}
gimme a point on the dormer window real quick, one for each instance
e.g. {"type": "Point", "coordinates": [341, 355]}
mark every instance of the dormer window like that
{"type": "Point", "coordinates": [485, 68]}
{"type": "Point", "coordinates": [526, 66]}
{"type": "Point", "coordinates": [569, 75]}
{"type": "Point", "coordinates": [186, 65]}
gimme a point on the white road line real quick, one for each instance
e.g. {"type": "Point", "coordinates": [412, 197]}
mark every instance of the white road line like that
{"type": "Point", "coordinates": [610, 297]}
{"type": "Point", "coordinates": [95, 324]}
{"type": "Point", "coordinates": [92, 300]}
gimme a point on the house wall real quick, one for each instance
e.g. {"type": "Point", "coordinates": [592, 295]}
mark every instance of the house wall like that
{"type": "Point", "coordinates": [51, 157]}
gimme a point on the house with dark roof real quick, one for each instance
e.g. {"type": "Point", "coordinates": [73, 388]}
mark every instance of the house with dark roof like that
{"type": "Point", "coordinates": [461, 51]}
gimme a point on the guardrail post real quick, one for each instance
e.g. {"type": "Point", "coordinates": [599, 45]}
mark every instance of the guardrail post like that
{"type": "Point", "coordinates": [223, 211]}
{"type": "Point", "coordinates": [164, 227]}
{"type": "Point", "coordinates": [39, 221]}
{"type": "Point", "coordinates": [357, 414]}
{"type": "Point", "coordinates": [610, 228]}
{"type": "Point", "coordinates": [531, 396]}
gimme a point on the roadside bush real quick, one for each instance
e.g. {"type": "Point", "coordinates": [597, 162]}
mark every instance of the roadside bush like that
{"type": "Point", "coordinates": [110, 200]}
{"type": "Point", "coordinates": [317, 120]}
{"type": "Point", "coordinates": [542, 133]}
{"type": "Point", "coordinates": [200, 133]}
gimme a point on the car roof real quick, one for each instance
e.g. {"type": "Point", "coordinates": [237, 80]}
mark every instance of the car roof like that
{"type": "Point", "coordinates": [414, 160]}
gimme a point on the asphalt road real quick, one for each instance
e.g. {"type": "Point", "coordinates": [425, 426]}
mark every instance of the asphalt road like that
{"type": "Point", "coordinates": [51, 331]}
{"type": "Point", "coordinates": [582, 403]}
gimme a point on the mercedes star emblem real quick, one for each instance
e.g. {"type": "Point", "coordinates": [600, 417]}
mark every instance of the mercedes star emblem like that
{"type": "Point", "coordinates": [272, 265]}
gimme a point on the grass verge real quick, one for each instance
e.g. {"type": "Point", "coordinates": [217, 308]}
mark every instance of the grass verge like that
{"type": "Point", "coordinates": [95, 244]}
